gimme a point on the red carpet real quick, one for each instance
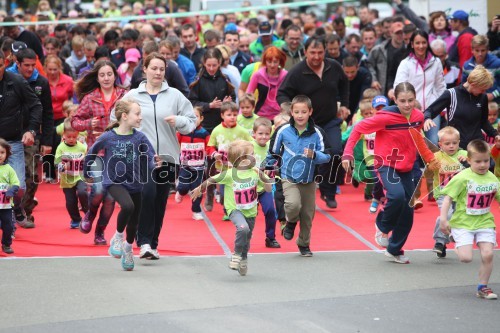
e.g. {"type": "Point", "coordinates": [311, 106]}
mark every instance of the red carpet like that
{"type": "Point", "coordinates": [181, 235]}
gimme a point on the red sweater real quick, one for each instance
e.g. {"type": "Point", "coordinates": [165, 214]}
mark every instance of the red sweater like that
{"type": "Point", "coordinates": [397, 141]}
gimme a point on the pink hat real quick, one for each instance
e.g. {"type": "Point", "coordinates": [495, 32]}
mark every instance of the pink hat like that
{"type": "Point", "coordinates": [132, 55]}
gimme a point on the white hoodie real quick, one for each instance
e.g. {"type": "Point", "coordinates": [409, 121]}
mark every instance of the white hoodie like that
{"type": "Point", "coordinates": [429, 83]}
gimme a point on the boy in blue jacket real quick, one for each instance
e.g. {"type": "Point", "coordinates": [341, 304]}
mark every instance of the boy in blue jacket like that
{"type": "Point", "coordinates": [301, 145]}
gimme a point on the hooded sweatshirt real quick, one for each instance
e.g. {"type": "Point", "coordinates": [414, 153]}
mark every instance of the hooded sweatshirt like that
{"type": "Point", "coordinates": [267, 105]}
{"type": "Point", "coordinates": [396, 140]}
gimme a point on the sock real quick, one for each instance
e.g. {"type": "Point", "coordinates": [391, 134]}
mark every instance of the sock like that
{"type": "Point", "coordinates": [127, 247]}
{"type": "Point", "coordinates": [481, 286]}
{"type": "Point", "coordinates": [119, 235]}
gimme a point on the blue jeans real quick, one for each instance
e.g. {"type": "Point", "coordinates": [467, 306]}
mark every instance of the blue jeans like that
{"type": "Point", "coordinates": [189, 179]}
{"type": "Point", "coordinates": [16, 161]}
{"type": "Point", "coordinates": [432, 133]}
{"type": "Point", "coordinates": [99, 195]}
{"type": "Point", "coordinates": [439, 236]}
{"type": "Point", "coordinates": [266, 201]}
{"type": "Point", "coordinates": [397, 215]}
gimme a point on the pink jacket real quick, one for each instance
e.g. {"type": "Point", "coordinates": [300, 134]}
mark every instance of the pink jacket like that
{"type": "Point", "coordinates": [267, 105]}
{"type": "Point", "coordinates": [448, 38]}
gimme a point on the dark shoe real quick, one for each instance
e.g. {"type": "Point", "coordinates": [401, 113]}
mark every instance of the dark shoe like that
{"type": "Point", "coordinates": [99, 237]}
{"type": "Point", "coordinates": [355, 183]}
{"type": "Point", "coordinates": [74, 224]}
{"type": "Point", "coordinates": [430, 197]}
{"type": "Point", "coordinates": [289, 230]}
{"type": "Point", "coordinates": [330, 202]}
{"type": "Point", "coordinates": [272, 243]}
{"type": "Point", "coordinates": [86, 223]}
{"type": "Point", "coordinates": [7, 249]}
{"type": "Point", "coordinates": [305, 251]}
{"type": "Point", "coordinates": [440, 250]}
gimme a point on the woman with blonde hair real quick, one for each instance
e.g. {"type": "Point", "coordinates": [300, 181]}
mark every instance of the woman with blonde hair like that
{"type": "Point", "coordinates": [467, 107]}
{"type": "Point", "coordinates": [229, 70]}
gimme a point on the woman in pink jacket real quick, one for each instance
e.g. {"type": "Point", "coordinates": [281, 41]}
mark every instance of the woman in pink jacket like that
{"type": "Point", "coordinates": [267, 81]}
{"type": "Point", "coordinates": [440, 29]}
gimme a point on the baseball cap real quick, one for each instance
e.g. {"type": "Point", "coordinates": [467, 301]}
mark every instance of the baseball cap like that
{"type": "Point", "coordinates": [230, 27]}
{"type": "Point", "coordinates": [380, 100]}
{"type": "Point", "coordinates": [459, 15]}
{"type": "Point", "coordinates": [18, 46]}
{"type": "Point", "coordinates": [265, 29]}
{"type": "Point", "coordinates": [132, 55]}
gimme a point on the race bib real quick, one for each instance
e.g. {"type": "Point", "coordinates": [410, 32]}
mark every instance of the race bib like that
{"type": "Point", "coordinates": [444, 179]}
{"type": "Point", "coordinates": [480, 197]}
{"type": "Point", "coordinates": [5, 203]}
{"type": "Point", "coordinates": [370, 143]}
{"type": "Point", "coordinates": [245, 194]}
{"type": "Point", "coordinates": [73, 164]}
{"type": "Point", "coordinates": [193, 154]}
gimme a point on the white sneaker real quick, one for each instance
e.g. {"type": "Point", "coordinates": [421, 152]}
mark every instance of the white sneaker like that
{"type": "Point", "coordinates": [380, 238]}
{"type": "Point", "coordinates": [400, 259]}
{"type": "Point", "coordinates": [243, 269]}
{"type": "Point", "coordinates": [235, 262]}
{"type": "Point", "coordinates": [178, 197]}
{"type": "Point", "coordinates": [146, 251]}
{"type": "Point", "coordinates": [197, 216]}
{"type": "Point", "coordinates": [115, 247]}
{"type": "Point", "coordinates": [155, 254]}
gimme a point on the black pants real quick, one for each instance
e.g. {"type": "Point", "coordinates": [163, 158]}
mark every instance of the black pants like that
{"type": "Point", "coordinates": [7, 226]}
{"type": "Point", "coordinates": [73, 195]}
{"type": "Point", "coordinates": [130, 204]}
{"type": "Point", "coordinates": [154, 203]}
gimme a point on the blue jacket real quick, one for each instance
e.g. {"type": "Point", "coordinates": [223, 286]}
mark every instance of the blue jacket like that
{"type": "Point", "coordinates": [187, 68]}
{"type": "Point", "coordinates": [492, 64]}
{"type": "Point", "coordinates": [289, 144]}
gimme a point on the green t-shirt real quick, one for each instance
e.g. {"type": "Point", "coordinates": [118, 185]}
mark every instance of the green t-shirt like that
{"type": "Point", "coordinates": [260, 154]}
{"type": "Point", "coordinates": [473, 195]}
{"type": "Point", "coordinates": [73, 157]}
{"type": "Point", "coordinates": [450, 167]}
{"type": "Point", "coordinates": [240, 190]}
{"type": "Point", "coordinates": [82, 136]}
{"type": "Point", "coordinates": [222, 136]}
{"type": "Point", "coordinates": [247, 122]}
{"type": "Point", "coordinates": [249, 69]}
{"type": "Point", "coordinates": [8, 178]}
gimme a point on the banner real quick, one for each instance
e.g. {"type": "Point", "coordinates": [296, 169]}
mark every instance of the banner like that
{"type": "Point", "coordinates": [478, 18]}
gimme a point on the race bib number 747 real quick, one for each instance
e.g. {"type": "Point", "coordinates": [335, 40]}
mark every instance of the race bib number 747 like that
{"type": "Point", "coordinates": [480, 197]}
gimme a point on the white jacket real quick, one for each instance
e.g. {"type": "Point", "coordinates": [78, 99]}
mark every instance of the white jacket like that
{"type": "Point", "coordinates": [429, 83]}
{"type": "Point", "coordinates": [162, 136]}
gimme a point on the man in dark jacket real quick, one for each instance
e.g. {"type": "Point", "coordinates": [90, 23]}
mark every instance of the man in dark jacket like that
{"type": "Point", "coordinates": [324, 82]}
{"type": "Point", "coordinates": [18, 33]}
{"type": "Point", "coordinates": [25, 66]}
{"type": "Point", "coordinates": [18, 102]}
{"type": "Point", "coordinates": [237, 58]}
{"type": "Point", "coordinates": [359, 78]}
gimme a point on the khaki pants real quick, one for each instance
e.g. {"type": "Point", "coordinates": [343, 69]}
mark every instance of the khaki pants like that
{"type": "Point", "coordinates": [300, 205]}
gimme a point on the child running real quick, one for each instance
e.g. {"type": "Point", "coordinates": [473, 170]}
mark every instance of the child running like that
{"type": "Point", "coordinates": [9, 185]}
{"type": "Point", "coordinates": [128, 160]}
{"type": "Point", "coordinates": [473, 191]}
{"type": "Point", "coordinates": [193, 162]}
{"type": "Point", "coordinates": [301, 147]}
{"type": "Point", "coordinates": [247, 117]}
{"type": "Point", "coordinates": [69, 159]}
{"type": "Point", "coordinates": [451, 158]}
{"type": "Point", "coordinates": [396, 142]}
{"type": "Point", "coordinates": [241, 179]}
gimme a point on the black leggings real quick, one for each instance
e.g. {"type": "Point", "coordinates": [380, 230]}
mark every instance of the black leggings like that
{"type": "Point", "coordinates": [130, 204]}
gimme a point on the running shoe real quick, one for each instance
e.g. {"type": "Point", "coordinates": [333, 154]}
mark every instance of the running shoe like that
{"type": "Point", "coordinates": [305, 251]}
{"type": "Point", "coordinates": [146, 252]}
{"type": "Point", "coordinates": [197, 216]}
{"type": "Point", "coordinates": [116, 247]}
{"type": "Point", "coordinates": [127, 258]}
{"type": "Point", "coordinates": [380, 238]}
{"type": "Point", "coordinates": [486, 293]}
{"type": "Point", "coordinates": [235, 261]}
{"type": "Point", "coordinates": [374, 206]}
{"type": "Point", "coordinates": [400, 258]}
{"type": "Point", "coordinates": [243, 267]}
{"type": "Point", "coordinates": [86, 223]}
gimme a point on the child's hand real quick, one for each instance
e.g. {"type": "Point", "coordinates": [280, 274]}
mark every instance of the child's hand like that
{"type": "Point", "coordinates": [347, 165]}
{"type": "Point", "coordinates": [218, 156]}
{"type": "Point", "coordinates": [61, 167]}
{"type": "Point", "coordinates": [462, 159]}
{"type": "Point", "coordinates": [444, 226]}
{"type": "Point", "coordinates": [158, 161]}
{"type": "Point", "coordinates": [196, 193]}
{"type": "Point", "coordinates": [227, 99]}
{"type": "Point", "coordinates": [309, 153]}
{"type": "Point", "coordinates": [170, 120]}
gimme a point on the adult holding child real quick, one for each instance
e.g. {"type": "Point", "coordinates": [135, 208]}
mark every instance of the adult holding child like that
{"type": "Point", "coordinates": [159, 102]}
{"type": "Point", "coordinates": [97, 92]}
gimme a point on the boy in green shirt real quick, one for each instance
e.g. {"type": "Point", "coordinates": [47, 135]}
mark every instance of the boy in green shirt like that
{"type": "Point", "coordinates": [473, 191]}
{"type": "Point", "coordinates": [246, 118]}
{"type": "Point", "coordinates": [451, 158]}
{"type": "Point", "coordinates": [241, 179]}
{"type": "Point", "coordinates": [9, 186]}
{"type": "Point", "coordinates": [69, 157]}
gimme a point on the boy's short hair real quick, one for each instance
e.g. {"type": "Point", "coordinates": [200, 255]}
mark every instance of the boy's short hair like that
{"type": "Point", "coordinates": [493, 106]}
{"type": "Point", "coordinates": [477, 146]}
{"type": "Point", "coordinates": [228, 106]}
{"type": "Point", "coordinates": [237, 150]}
{"type": "Point", "coordinates": [67, 106]}
{"type": "Point", "coordinates": [286, 107]}
{"type": "Point", "coordinates": [262, 121]}
{"type": "Point", "coordinates": [364, 105]}
{"type": "Point", "coordinates": [448, 130]}
{"type": "Point", "coordinates": [77, 42]}
{"type": "Point", "coordinates": [370, 93]}
{"type": "Point", "coordinates": [301, 99]}
{"type": "Point", "coordinates": [67, 126]}
{"type": "Point", "coordinates": [90, 44]}
{"type": "Point", "coordinates": [480, 40]}
{"type": "Point", "coordinates": [250, 98]}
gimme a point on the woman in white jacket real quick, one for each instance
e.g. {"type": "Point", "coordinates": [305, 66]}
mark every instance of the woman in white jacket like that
{"type": "Point", "coordinates": [425, 72]}
{"type": "Point", "coordinates": [165, 110]}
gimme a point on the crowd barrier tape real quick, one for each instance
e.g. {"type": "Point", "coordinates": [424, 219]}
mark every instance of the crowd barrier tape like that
{"type": "Point", "coordinates": [174, 15]}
